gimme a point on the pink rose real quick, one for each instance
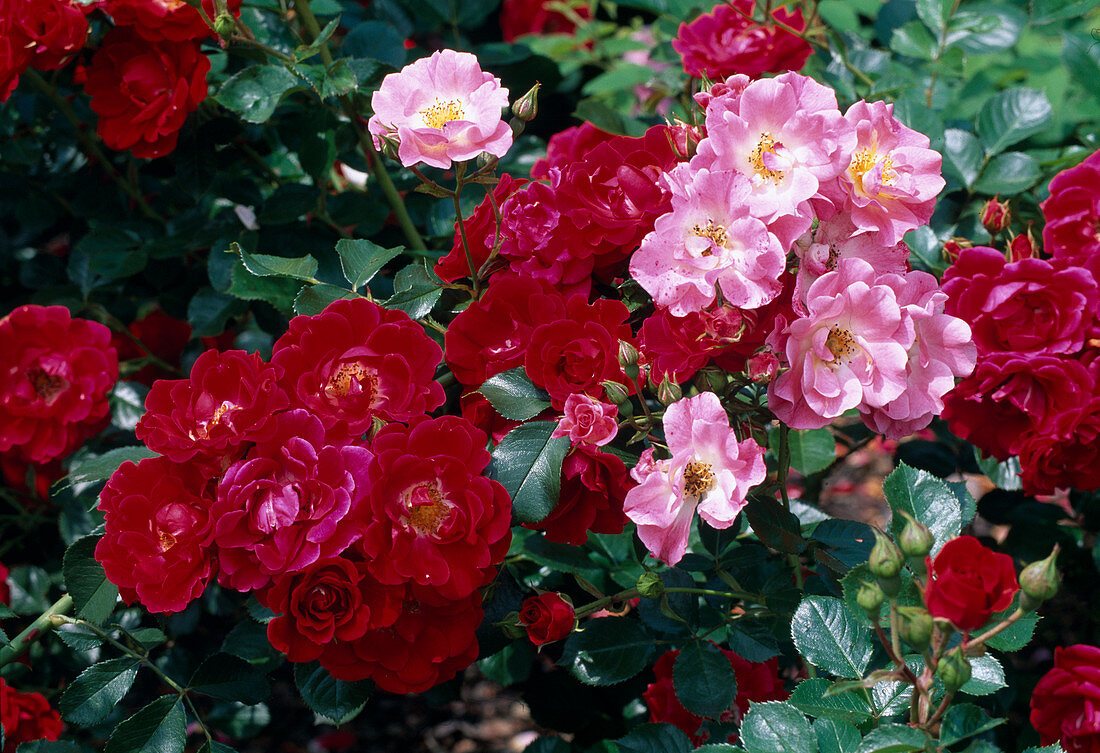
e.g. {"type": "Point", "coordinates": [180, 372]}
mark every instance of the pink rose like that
{"type": "Point", "coordinates": [587, 421]}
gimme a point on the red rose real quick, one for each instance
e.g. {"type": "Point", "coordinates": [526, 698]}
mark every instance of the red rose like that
{"type": "Point", "coordinates": [214, 415]}
{"type": "Point", "coordinates": [5, 590]}
{"type": "Point", "coordinates": [53, 389]}
{"type": "Point", "coordinates": [15, 54]}
{"type": "Point", "coordinates": [519, 17]}
{"type": "Point", "coordinates": [968, 582]}
{"type": "Point", "coordinates": [331, 600]}
{"type": "Point", "coordinates": [727, 41]}
{"type": "Point", "coordinates": [293, 500]}
{"type": "Point", "coordinates": [143, 91]}
{"type": "Point", "coordinates": [26, 717]}
{"type": "Point", "coordinates": [593, 487]}
{"type": "Point", "coordinates": [1064, 704]}
{"type": "Point", "coordinates": [481, 234]}
{"type": "Point", "coordinates": [756, 682]}
{"type": "Point", "coordinates": [156, 548]}
{"type": "Point", "coordinates": [160, 20]}
{"type": "Point", "coordinates": [570, 145]}
{"type": "Point", "coordinates": [434, 519]}
{"type": "Point", "coordinates": [1068, 458]}
{"type": "Point", "coordinates": [547, 617]}
{"type": "Point", "coordinates": [31, 478]}
{"type": "Point", "coordinates": [1072, 215]}
{"type": "Point", "coordinates": [55, 30]}
{"type": "Point", "coordinates": [355, 361]}
{"type": "Point", "coordinates": [164, 336]}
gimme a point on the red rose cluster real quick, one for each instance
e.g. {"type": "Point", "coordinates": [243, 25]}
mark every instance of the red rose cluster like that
{"type": "Point", "coordinates": [519, 17]}
{"type": "Point", "coordinates": [756, 682]}
{"type": "Point", "coordinates": [26, 717]}
{"type": "Point", "coordinates": [318, 482]}
{"type": "Point", "coordinates": [53, 389]}
{"type": "Point", "coordinates": [1036, 390]}
{"type": "Point", "coordinates": [43, 34]}
{"type": "Point", "coordinates": [1064, 705]}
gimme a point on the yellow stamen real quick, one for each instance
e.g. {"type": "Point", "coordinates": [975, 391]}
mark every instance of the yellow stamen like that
{"type": "Point", "coordinates": [344, 379]}
{"type": "Point", "coordinates": [842, 344]}
{"type": "Point", "coordinates": [715, 233]}
{"type": "Point", "coordinates": [698, 479]}
{"type": "Point", "coordinates": [440, 113]}
{"type": "Point", "coordinates": [427, 517]}
{"type": "Point", "coordinates": [766, 145]}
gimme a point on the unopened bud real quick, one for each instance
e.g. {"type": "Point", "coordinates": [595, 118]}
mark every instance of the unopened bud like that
{"type": "Point", "coordinates": [511, 626]}
{"type": "Point", "coordinates": [527, 107]}
{"type": "Point", "coordinates": [650, 585]}
{"type": "Point", "coordinates": [953, 670]}
{"type": "Point", "coordinates": [762, 367]}
{"type": "Point", "coordinates": [668, 392]}
{"type": "Point", "coordinates": [954, 247]}
{"type": "Point", "coordinates": [915, 626]}
{"type": "Point", "coordinates": [916, 539]}
{"type": "Point", "coordinates": [387, 144]}
{"type": "Point", "coordinates": [870, 597]}
{"type": "Point", "coordinates": [628, 354]}
{"type": "Point", "coordinates": [1022, 247]}
{"type": "Point", "coordinates": [616, 393]}
{"type": "Point", "coordinates": [485, 159]}
{"type": "Point", "coordinates": [225, 25]}
{"type": "Point", "coordinates": [995, 216]}
{"type": "Point", "coordinates": [1039, 581]}
{"type": "Point", "coordinates": [886, 558]}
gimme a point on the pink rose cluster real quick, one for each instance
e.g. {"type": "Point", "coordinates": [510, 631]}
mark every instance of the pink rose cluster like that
{"type": "Point", "coordinates": [1036, 390]}
{"type": "Point", "coordinates": [318, 482]}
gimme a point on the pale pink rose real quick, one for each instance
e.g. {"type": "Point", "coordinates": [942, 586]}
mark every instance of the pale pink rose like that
{"type": "Point", "coordinates": [942, 351]}
{"type": "Point", "coordinates": [710, 471]}
{"type": "Point", "coordinates": [441, 109]}
{"type": "Point", "coordinates": [708, 243]}
{"type": "Point", "coordinates": [787, 136]}
{"type": "Point", "coordinates": [891, 185]}
{"type": "Point", "coordinates": [850, 350]}
{"type": "Point", "coordinates": [587, 421]}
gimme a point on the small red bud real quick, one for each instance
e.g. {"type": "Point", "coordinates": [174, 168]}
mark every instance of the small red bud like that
{"type": "Point", "coordinates": [1022, 247]}
{"type": "Point", "coordinates": [996, 216]}
{"type": "Point", "coordinates": [762, 367]}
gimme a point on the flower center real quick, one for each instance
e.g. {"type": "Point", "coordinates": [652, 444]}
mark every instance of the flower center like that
{"type": "Point", "coordinates": [716, 234]}
{"type": "Point", "coordinates": [46, 386]}
{"type": "Point", "coordinates": [698, 479]}
{"type": "Point", "coordinates": [842, 344]}
{"type": "Point", "coordinates": [165, 540]}
{"type": "Point", "coordinates": [352, 378]}
{"type": "Point", "coordinates": [864, 160]}
{"type": "Point", "coordinates": [428, 511]}
{"type": "Point", "coordinates": [766, 145]}
{"type": "Point", "coordinates": [278, 508]}
{"type": "Point", "coordinates": [439, 113]}
{"type": "Point", "coordinates": [202, 431]}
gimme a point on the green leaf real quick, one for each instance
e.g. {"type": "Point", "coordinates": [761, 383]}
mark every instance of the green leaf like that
{"type": "Point", "coordinates": [1011, 116]}
{"type": "Point", "coordinates": [963, 155]}
{"type": "Point", "coordinates": [1052, 748]}
{"type": "Point", "coordinates": [417, 288]}
{"type": "Point", "coordinates": [264, 265]}
{"type": "Point", "coordinates": [528, 463]}
{"type": "Point", "coordinates": [93, 694]}
{"type": "Point", "coordinates": [280, 292]}
{"type": "Point", "coordinates": [148, 637]}
{"type": "Point", "coordinates": [1009, 173]}
{"type": "Point", "coordinates": [830, 637]}
{"type": "Point", "coordinates": [607, 651]}
{"type": "Point", "coordinates": [986, 27]}
{"type": "Point", "coordinates": [655, 738]}
{"type": "Point", "coordinates": [965, 720]}
{"type": "Point", "coordinates": [361, 259]}
{"type": "Point", "coordinates": [926, 498]}
{"type": "Point", "coordinates": [78, 638]}
{"type": "Point", "coordinates": [209, 311]}
{"type": "Point", "coordinates": [703, 679]}
{"type": "Point", "coordinates": [93, 595]}
{"type": "Point", "coordinates": [1015, 636]}
{"type": "Point", "coordinates": [1081, 56]}
{"type": "Point", "coordinates": [254, 93]}
{"type": "Point", "coordinates": [773, 525]}
{"type": "Point", "coordinates": [1004, 474]}
{"type": "Point", "coordinates": [986, 676]}
{"type": "Point", "coordinates": [809, 698]}
{"type": "Point", "coordinates": [514, 395]}
{"type": "Point", "coordinates": [1045, 11]}
{"type": "Point", "coordinates": [230, 678]}
{"type": "Point", "coordinates": [213, 746]}
{"type": "Point", "coordinates": [608, 118]}
{"type": "Point", "coordinates": [306, 51]}
{"type": "Point", "coordinates": [333, 699]}
{"type": "Point", "coordinates": [102, 467]}
{"type": "Point", "coordinates": [751, 640]}
{"type": "Point", "coordinates": [339, 80]}
{"type": "Point", "coordinates": [893, 738]}
{"type": "Point", "coordinates": [812, 450]}
{"type": "Point", "coordinates": [836, 736]}
{"type": "Point", "coordinates": [127, 404]}
{"type": "Point", "coordinates": [621, 78]}
{"type": "Point", "coordinates": [776, 727]}
{"type": "Point", "coordinates": [376, 41]}
{"type": "Point", "coordinates": [313, 299]}
{"type": "Point", "coordinates": [157, 728]}
{"type": "Point", "coordinates": [914, 40]}
{"type": "Point", "coordinates": [934, 13]}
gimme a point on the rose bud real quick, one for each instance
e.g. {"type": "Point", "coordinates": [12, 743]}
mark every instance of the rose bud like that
{"type": "Point", "coordinates": [886, 559]}
{"type": "Point", "coordinates": [870, 597]}
{"type": "Point", "coordinates": [915, 540]}
{"type": "Point", "coordinates": [527, 107]}
{"type": "Point", "coordinates": [954, 247]}
{"type": "Point", "coordinates": [616, 393]}
{"type": "Point", "coordinates": [915, 626]}
{"type": "Point", "coordinates": [1039, 581]}
{"type": "Point", "coordinates": [967, 583]}
{"type": "Point", "coordinates": [762, 367]}
{"type": "Point", "coordinates": [996, 216]}
{"type": "Point", "coordinates": [548, 617]}
{"type": "Point", "coordinates": [953, 670]}
{"type": "Point", "coordinates": [1022, 247]}
{"type": "Point", "coordinates": [650, 585]}
{"type": "Point", "coordinates": [668, 392]}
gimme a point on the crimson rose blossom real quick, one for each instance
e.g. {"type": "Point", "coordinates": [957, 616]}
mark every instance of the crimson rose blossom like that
{"type": "Point", "coordinates": [1069, 457]}
{"type": "Point", "coordinates": [481, 233]}
{"type": "Point", "coordinates": [967, 583]}
{"type": "Point", "coordinates": [53, 389]}
{"type": "Point", "coordinates": [593, 487]}
{"type": "Point", "coordinates": [547, 617]}
{"type": "Point", "coordinates": [1072, 230]}
{"type": "Point", "coordinates": [160, 20]}
{"type": "Point", "coordinates": [156, 548]}
{"type": "Point", "coordinates": [5, 590]}
{"type": "Point", "coordinates": [26, 717]}
{"type": "Point", "coordinates": [1065, 705]}
{"type": "Point", "coordinates": [143, 91]}
{"type": "Point", "coordinates": [45, 34]}
{"type": "Point", "coordinates": [355, 361]}
{"type": "Point", "coordinates": [727, 41]}
{"type": "Point", "coordinates": [519, 17]}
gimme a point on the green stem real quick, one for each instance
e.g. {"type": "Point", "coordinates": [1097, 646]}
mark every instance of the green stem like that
{"type": "Point", "coordinates": [42, 624]}
{"type": "Point", "coordinates": [456, 197]}
{"type": "Point", "coordinates": [599, 604]}
{"type": "Point", "coordinates": [784, 457]}
{"type": "Point", "coordinates": [139, 655]}
{"type": "Point", "coordinates": [995, 629]}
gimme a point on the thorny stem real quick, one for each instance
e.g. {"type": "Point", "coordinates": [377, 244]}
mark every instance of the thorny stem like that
{"type": "Point", "coordinates": [42, 624]}
{"type": "Point", "coordinates": [994, 630]}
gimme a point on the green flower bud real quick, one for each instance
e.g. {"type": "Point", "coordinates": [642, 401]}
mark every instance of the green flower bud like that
{"type": "Point", "coordinates": [890, 586]}
{"type": "Point", "coordinates": [886, 559]}
{"type": "Point", "coordinates": [870, 597]}
{"type": "Point", "coordinates": [1039, 581]}
{"type": "Point", "coordinates": [953, 670]}
{"type": "Point", "coordinates": [915, 626]}
{"type": "Point", "coordinates": [511, 627]}
{"type": "Point", "coordinates": [668, 392]}
{"type": "Point", "coordinates": [527, 107]}
{"type": "Point", "coordinates": [387, 144]}
{"type": "Point", "coordinates": [915, 540]}
{"type": "Point", "coordinates": [616, 393]}
{"type": "Point", "coordinates": [628, 354]}
{"type": "Point", "coordinates": [485, 159]}
{"type": "Point", "coordinates": [225, 25]}
{"type": "Point", "coordinates": [650, 585]}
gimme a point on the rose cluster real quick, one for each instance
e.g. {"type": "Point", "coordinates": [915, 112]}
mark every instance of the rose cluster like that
{"type": "Point", "coordinates": [1036, 322]}
{"type": "Point", "coordinates": [318, 482]}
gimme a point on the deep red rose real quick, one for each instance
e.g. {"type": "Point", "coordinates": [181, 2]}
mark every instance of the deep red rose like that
{"type": "Point", "coordinates": [143, 91]}
{"type": "Point", "coordinates": [480, 412]}
{"type": "Point", "coordinates": [1072, 212]}
{"type": "Point", "coordinates": [26, 717]}
{"type": "Point", "coordinates": [568, 146]}
{"type": "Point", "coordinates": [1027, 306]}
{"type": "Point", "coordinates": [158, 520]}
{"type": "Point", "coordinates": [15, 52]}
{"type": "Point", "coordinates": [5, 590]}
{"type": "Point", "coordinates": [547, 618]}
{"type": "Point", "coordinates": [1069, 457]}
{"type": "Point", "coordinates": [519, 17]}
{"type": "Point", "coordinates": [55, 30]}
{"type": "Point", "coordinates": [727, 41]}
{"type": "Point", "coordinates": [165, 20]}
{"type": "Point", "coordinates": [1010, 396]}
{"type": "Point", "coordinates": [53, 389]}
{"type": "Point", "coordinates": [434, 519]}
{"type": "Point", "coordinates": [216, 414]}
{"type": "Point", "coordinates": [431, 641]}
{"type": "Point", "coordinates": [162, 335]}
{"type": "Point", "coordinates": [756, 682]}
{"type": "Point", "coordinates": [492, 334]}
{"type": "Point", "coordinates": [1065, 705]}
{"type": "Point", "coordinates": [355, 361]}
{"type": "Point", "coordinates": [967, 583]}
{"type": "Point", "coordinates": [579, 351]}
{"type": "Point", "coordinates": [481, 234]}
{"type": "Point", "coordinates": [31, 478]}
{"type": "Point", "coordinates": [593, 487]}
{"type": "Point", "coordinates": [293, 500]}
{"type": "Point", "coordinates": [331, 600]}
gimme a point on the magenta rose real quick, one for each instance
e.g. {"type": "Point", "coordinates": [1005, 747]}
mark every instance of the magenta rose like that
{"type": "Point", "coordinates": [1072, 215]}
{"type": "Point", "coordinates": [1065, 705]}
